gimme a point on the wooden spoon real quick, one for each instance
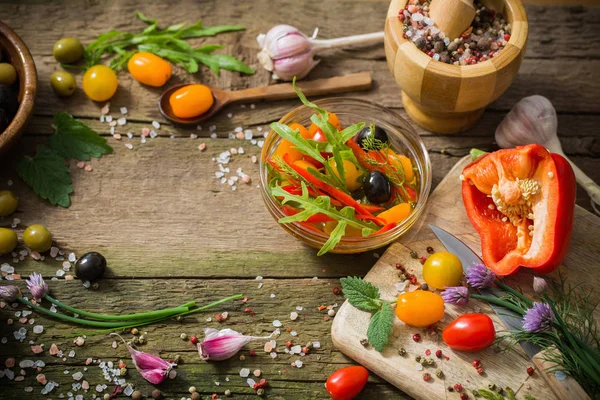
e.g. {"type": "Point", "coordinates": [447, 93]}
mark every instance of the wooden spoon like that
{"type": "Point", "coordinates": [338, 84]}
{"type": "Point", "coordinates": [452, 17]}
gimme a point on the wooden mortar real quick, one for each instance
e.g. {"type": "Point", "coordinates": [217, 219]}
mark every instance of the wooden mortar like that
{"type": "Point", "coordinates": [446, 98]}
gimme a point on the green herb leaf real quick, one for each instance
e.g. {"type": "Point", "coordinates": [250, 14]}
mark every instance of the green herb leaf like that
{"type": "Point", "coordinates": [335, 236]}
{"type": "Point", "coordinates": [476, 153]}
{"type": "Point", "coordinates": [380, 327]}
{"type": "Point", "coordinates": [361, 294]}
{"type": "Point", "coordinates": [74, 139]}
{"type": "Point", "coordinates": [301, 144]}
{"type": "Point", "coordinates": [489, 394]}
{"type": "Point", "coordinates": [48, 175]}
{"type": "Point", "coordinates": [527, 396]}
{"type": "Point", "coordinates": [510, 394]}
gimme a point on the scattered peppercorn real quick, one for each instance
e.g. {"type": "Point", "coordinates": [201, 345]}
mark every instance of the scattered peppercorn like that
{"type": "Point", "coordinates": [422, 259]}
{"type": "Point", "coordinates": [177, 359]}
{"type": "Point", "coordinates": [142, 339]}
{"type": "Point", "coordinates": [450, 389]}
{"type": "Point", "coordinates": [418, 358]}
{"type": "Point", "coordinates": [214, 396]}
{"type": "Point", "coordinates": [192, 389]}
{"type": "Point", "coordinates": [402, 351]}
{"type": "Point", "coordinates": [425, 361]}
{"type": "Point", "coordinates": [430, 250]}
{"type": "Point", "coordinates": [439, 373]}
{"type": "Point", "coordinates": [134, 331]}
{"type": "Point", "coordinates": [183, 336]}
{"type": "Point", "coordinates": [476, 363]}
{"type": "Point", "coordinates": [480, 371]}
{"type": "Point", "coordinates": [260, 392]}
{"type": "Point", "coordinates": [305, 350]}
{"type": "Point", "coordinates": [426, 376]}
{"type": "Point", "coordinates": [247, 310]}
{"type": "Point", "coordinates": [123, 371]}
{"type": "Point", "coordinates": [413, 254]}
{"type": "Point", "coordinates": [227, 392]}
{"type": "Point", "coordinates": [242, 357]}
{"type": "Point", "coordinates": [530, 371]}
{"type": "Point", "coordinates": [438, 353]}
{"type": "Point", "coordinates": [399, 266]}
{"type": "Point", "coordinates": [137, 395]}
{"type": "Point", "coordinates": [458, 387]}
{"type": "Point", "coordinates": [337, 291]}
{"type": "Point", "coordinates": [364, 342]}
{"type": "Point", "coordinates": [289, 344]}
{"type": "Point", "coordinates": [427, 352]}
{"type": "Point", "coordinates": [252, 353]}
{"type": "Point", "coordinates": [401, 276]}
{"type": "Point", "coordinates": [156, 394]}
{"type": "Point", "coordinates": [416, 337]}
{"type": "Point", "coordinates": [464, 396]}
{"type": "Point", "coordinates": [194, 340]}
{"type": "Point", "coordinates": [424, 286]}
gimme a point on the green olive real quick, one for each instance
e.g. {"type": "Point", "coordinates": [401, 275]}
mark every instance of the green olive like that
{"type": "Point", "coordinates": [8, 74]}
{"type": "Point", "coordinates": [8, 240]}
{"type": "Point", "coordinates": [68, 50]}
{"type": "Point", "coordinates": [8, 203]}
{"type": "Point", "coordinates": [63, 83]}
{"type": "Point", "coordinates": [37, 238]}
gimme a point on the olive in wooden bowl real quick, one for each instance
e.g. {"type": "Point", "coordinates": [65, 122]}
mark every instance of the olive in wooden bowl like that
{"type": "Point", "coordinates": [447, 98]}
{"type": "Point", "coordinates": [17, 96]}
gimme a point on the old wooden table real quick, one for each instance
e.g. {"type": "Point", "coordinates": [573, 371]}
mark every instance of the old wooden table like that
{"type": "Point", "coordinates": [172, 232]}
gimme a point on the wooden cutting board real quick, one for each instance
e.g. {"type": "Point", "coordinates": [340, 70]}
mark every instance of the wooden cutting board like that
{"type": "Point", "coordinates": [445, 209]}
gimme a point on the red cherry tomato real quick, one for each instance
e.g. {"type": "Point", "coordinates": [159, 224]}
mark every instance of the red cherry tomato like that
{"type": "Point", "coordinates": [347, 383]}
{"type": "Point", "coordinates": [470, 332]}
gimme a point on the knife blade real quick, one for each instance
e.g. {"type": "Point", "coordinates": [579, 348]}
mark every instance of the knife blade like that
{"type": "Point", "coordinates": [469, 258]}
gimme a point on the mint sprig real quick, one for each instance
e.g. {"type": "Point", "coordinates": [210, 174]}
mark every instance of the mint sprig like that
{"type": "Point", "coordinates": [366, 297]}
{"type": "Point", "coordinates": [48, 172]}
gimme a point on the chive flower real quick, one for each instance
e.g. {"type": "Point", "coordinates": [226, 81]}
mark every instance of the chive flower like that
{"type": "Point", "coordinates": [480, 277]}
{"type": "Point", "coordinates": [458, 295]}
{"type": "Point", "coordinates": [10, 293]}
{"type": "Point", "coordinates": [37, 286]}
{"type": "Point", "coordinates": [538, 318]}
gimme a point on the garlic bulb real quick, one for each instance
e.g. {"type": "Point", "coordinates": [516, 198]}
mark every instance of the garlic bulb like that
{"type": "Point", "coordinates": [531, 120]}
{"type": "Point", "coordinates": [287, 52]}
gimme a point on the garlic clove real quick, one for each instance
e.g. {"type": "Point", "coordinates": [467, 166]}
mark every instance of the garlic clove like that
{"type": "Point", "coordinates": [298, 66]}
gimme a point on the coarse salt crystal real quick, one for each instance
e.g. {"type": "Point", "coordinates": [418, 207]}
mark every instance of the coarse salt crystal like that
{"type": "Point", "coordinates": [129, 146]}
{"type": "Point", "coordinates": [109, 118]}
{"type": "Point", "coordinates": [293, 315]}
{"type": "Point", "coordinates": [123, 110]}
{"type": "Point", "coordinates": [153, 134]}
{"type": "Point", "coordinates": [277, 323]}
{"type": "Point", "coordinates": [199, 128]}
{"type": "Point", "coordinates": [229, 115]}
{"type": "Point", "coordinates": [252, 106]}
{"type": "Point", "coordinates": [213, 135]}
{"type": "Point", "coordinates": [244, 372]}
{"type": "Point", "coordinates": [298, 364]}
{"type": "Point", "coordinates": [72, 257]}
{"type": "Point", "coordinates": [130, 135]}
{"type": "Point", "coordinates": [156, 124]}
{"type": "Point", "coordinates": [248, 134]}
{"type": "Point", "coordinates": [38, 329]}
{"type": "Point", "coordinates": [193, 136]}
{"type": "Point", "coordinates": [122, 121]}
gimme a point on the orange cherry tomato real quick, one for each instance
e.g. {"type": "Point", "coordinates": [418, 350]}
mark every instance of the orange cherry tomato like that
{"type": "Point", "coordinates": [399, 159]}
{"type": "Point", "coordinates": [286, 147]}
{"type": "Point", "coordinates": [396, 214]}
{"type": "Point", "coordinates": [191, 101]}
{"type": "Point", "coordinates": [420, 308]}
{"type": "Point", "coordinates": [346, 383]}
{"type": "Point", "coordinates": [149, 69]}
{"type": "Point", "coordinates": [304, 164]}
{"type": "Point", "coordinates": [100, 83]}
{"type": "Point", "coordinates": [303, 131]}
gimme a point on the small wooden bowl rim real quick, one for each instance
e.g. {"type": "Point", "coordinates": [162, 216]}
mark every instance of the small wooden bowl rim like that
{"type": "Point", "coordinates": [517, 39]}
{"type": "Point", "coordinates": [27, 74]}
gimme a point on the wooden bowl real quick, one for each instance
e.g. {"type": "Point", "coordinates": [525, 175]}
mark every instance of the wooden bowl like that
{"type": "Point", "coordinates": [20, 58]}
{"type": "Point", "coordinates": [446, 98]}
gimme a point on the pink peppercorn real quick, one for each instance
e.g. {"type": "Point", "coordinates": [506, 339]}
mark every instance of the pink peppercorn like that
{"type": "Point", "coordinates": [506, 37]}
{"type": "Point", "coordinates": [458, 387]}
{"type": "Point", "coordinates": [416, 337]}
{"type": "Point", "coordinates": [427, 352]}
{"type": "Point", "coordinates": [194, 340]}
{"type": "Point", "coordinates": [464, 396]}
{"type": "Point", "coordinates": [438, 353]}
{"type": "Point", "coordinates": [530, 371]}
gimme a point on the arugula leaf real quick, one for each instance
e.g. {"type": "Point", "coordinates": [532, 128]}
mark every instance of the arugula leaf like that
{"type": "Point", "coordinates": [361, 294]}
{"type": "Point", "coordinates": [380, 327]}
{"type": "Point", "coordinates": [74, 139]}
{"type": "Point", "coordinates": [301, 144]}
{"type": "Point", "coordinates": [351, 131]}
{"type": "Point", "coordinates": [336, 235]}
{"type": "Point", "coordinates": [48, 175]}
{"type": "Point", "coordinates": [489, 394]}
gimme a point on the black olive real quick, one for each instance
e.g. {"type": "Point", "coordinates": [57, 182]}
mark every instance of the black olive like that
{"type": "Point", "coordinates": [8, 106]}
{"type": "Point", "coordinates": [377, 187]}
{"type": "Point", "coordinates": [90, 266]}
{"type": "Point", "coordinates": [372, 137]}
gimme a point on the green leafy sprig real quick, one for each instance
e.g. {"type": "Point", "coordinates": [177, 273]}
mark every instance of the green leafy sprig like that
{"type": "Point", "coordinates": [168, 43]}
{"type": "Point", "coordinates": [47, 172]}
{"type": "Point", "coordinates": [365, 296]}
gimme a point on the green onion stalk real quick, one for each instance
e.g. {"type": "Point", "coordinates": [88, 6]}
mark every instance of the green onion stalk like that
{"type": "Point", "coordinates": [563, 320]}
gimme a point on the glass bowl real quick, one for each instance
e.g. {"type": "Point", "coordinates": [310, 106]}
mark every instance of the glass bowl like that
{"type": "Point", "coordinates": [403, 139]}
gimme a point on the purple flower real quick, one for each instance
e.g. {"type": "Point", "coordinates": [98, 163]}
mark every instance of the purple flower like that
{"type": "Point", "coordinates": [9, 293]}
{"type": "Point", "coordinates": [538, 318]}
{"type": "Point", "coordinates": [223, 344]}
{"type": "Point", "coordinates": [480, 277]}
{"type": "Point", "coordinates": [458, 295]}
{"type": "Point", "coordinates": [37, 286]}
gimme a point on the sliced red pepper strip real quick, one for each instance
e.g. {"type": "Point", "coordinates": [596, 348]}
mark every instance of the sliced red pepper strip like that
{"type": "Point", "coordinates": [273, 164]}
{"type": "Point", "coordinates": [332, 191]}
{"type": "Point", "coordinates": [372, 218]}
{"type": "Point", "coordinates": [317, 218]}
{"type": "Point", "coordinates": [373, 208]}
{"type": "Point", "coordinates": [311, 227]}
{"type": "Point", "coordinates": [409, 193]}
{"type": "Point", "coordinates": [525, 180]}
{"type": "Point", "coordinates": [297, 191]}
{"type": "Point", "coordinates": [362, 157]}
{"type": "Point", "coordinates": [387, 227]}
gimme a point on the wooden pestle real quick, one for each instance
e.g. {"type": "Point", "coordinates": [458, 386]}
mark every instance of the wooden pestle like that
{"type": "Point", "coordinates": [452, 17]}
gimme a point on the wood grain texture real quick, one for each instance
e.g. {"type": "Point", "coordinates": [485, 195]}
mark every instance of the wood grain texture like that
{"type": "Point", "coordinates": [445, 210]}
{"type": "Point", "coordinates": [171, 231]}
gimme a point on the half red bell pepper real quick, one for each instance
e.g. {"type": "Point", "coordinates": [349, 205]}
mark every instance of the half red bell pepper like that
{"type": "Point", "coordinates": [521, 202]}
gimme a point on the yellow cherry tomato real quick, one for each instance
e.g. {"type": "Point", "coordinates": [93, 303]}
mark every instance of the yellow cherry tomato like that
{"type": "Point", "coordinates": [399, 159]}
{"type": "Point", "coordinates": [37, 237]}
{"type": "Point", "coordinates": [442, 269]}
{"type": "Point", "coordinates": [286, 147]}
{"type": "Point", "coordinates": [351, 231]}
{"type": "Point", "coordinates": [303, 131]}
{"type": "Point", "coordinates": [149, 69]}
{"type": "Point", "coordinates": [304, 164]}
{"type": "Point", "coordinates": [100, 83]}
{"type": "Point", "coordinates": [8, 240]}
{"type": "Point", "coordinates": [396, 214]}
{"type": "Point", "coordinates": [353, 174]}
{"type": "Point", "coordinates": [420, 308]}
{"type": "Point", "coordinates": [191, 101]}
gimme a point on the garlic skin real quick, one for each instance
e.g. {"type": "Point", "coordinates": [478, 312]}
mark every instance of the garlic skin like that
{"type": "Point", "coordinates": [221, 345]}
{"type": "Point", "coordinates": [286, 52]}
{"type": "Point", "coordinates": [531, 120]}
{"type": "Point", "coordinates": [539, 285]}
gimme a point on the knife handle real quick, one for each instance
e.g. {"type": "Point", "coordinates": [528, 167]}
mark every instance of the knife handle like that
{"type": "Point", "coordinates": [565, 389]}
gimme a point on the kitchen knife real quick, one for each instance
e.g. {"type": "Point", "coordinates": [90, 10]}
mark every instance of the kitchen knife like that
{"type": "Point", "coordinates": [564, 389]}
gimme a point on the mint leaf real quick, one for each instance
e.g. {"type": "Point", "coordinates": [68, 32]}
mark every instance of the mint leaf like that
{"type": "Point", "coordinates": [48, 175]}
{"type": "Point", "coordinates": [361, 294]}
{"type": "Point", "coordinates": [74, 139]}
{"type": "Point", "coordinates": [380, 327]}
